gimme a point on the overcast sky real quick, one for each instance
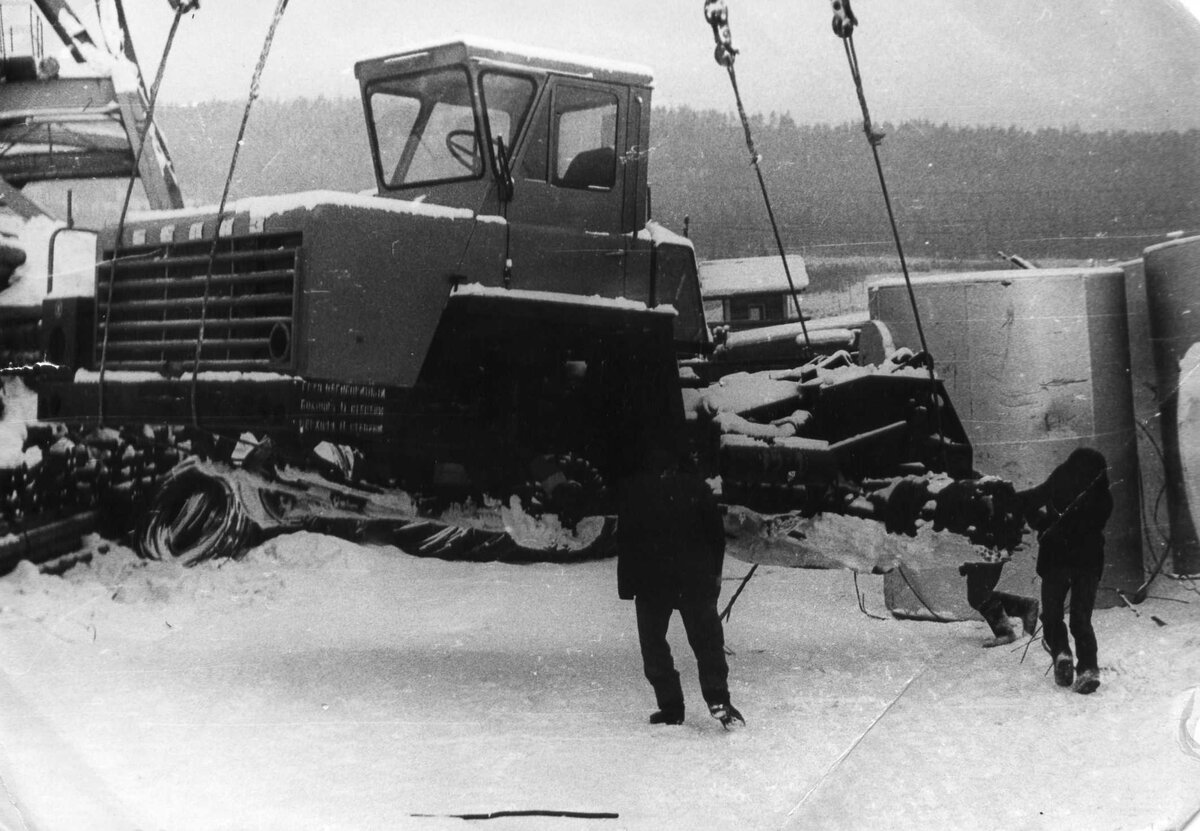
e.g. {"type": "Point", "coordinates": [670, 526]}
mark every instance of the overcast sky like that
{"type": "Point", "coordinates": [1132, 64]}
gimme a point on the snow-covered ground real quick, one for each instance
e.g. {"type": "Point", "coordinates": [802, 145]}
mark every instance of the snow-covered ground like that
{"type": "Point", "coordinates": [317, 684]}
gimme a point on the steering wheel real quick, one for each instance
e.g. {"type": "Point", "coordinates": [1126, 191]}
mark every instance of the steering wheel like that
{"type": "Point", "coordinates": [463, 147]}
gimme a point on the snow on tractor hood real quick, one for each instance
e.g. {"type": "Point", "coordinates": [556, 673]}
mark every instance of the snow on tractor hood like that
{"type": "Point", "coordinates": [660, 234]}
{"type": "Point", "coordinates": [264, 207]}
{"type": "Point", "coordinates": [594, 300]}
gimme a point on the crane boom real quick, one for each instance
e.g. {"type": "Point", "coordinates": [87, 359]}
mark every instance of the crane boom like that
{"type": "Point", "coordinates": [59, 123]}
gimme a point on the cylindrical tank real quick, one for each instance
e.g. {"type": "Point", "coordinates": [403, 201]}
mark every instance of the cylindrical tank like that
{"type": "Point", "coordinates": [1173, 298]}
{"type": "Point", "coordinates": [1036, 363]}
{"type": "Point", "coordinates": [1156, 525]}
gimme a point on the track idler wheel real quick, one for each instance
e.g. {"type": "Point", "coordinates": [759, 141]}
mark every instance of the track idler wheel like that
{"type": "Point", "coordinates": [196, 515]}
{"type": "Point", "coordinates": [567, 486]}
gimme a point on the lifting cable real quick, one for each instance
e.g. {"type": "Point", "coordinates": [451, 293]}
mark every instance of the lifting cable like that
{"type": "Point", "coordinates": [212, 253]}
{"type": "Point", "coordinates": [127, 41]}
{"type": "Point", "coordinates": [180, 10]}
{"type": "Point", "coordinates": [844, 23]}
{"type": "Point", "coordinates": [717, 15]}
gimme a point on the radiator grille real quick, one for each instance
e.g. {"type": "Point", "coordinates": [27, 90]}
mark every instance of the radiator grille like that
{"type": "Point", "coordinates": [153, 320]}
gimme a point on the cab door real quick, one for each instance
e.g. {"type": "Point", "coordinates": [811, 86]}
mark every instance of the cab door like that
{"type": "Point", "coordinates": [565, 218]}
{"type": "Point", "coordinates": [639, 260]}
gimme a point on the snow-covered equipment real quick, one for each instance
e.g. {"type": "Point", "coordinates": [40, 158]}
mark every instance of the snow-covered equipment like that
{"type": "Point", "coordinates": [501, 325]}
{"type": "Point", "coordinates": [82, 113]}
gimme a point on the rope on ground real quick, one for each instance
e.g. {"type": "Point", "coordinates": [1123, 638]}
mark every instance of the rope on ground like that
{"type": "Point", "coordinates": [212, 254]}
{"type": "Point", "coordinates": [862, 601]}
{"type": "Point", "coordinates": [854, 745]}
{"type": "Point", "coordinates": [1191, 583]}
{"type": "Point", "coordinates": [917, 594]}
{"type": "Point", "coordinates": [729, 606]}
{"type": "Point", "coordinates": [137, 163]}
{"type": "Point", "coordinates": [1033, 637]}
{"type": "Point", "coordinates": [716, 13]}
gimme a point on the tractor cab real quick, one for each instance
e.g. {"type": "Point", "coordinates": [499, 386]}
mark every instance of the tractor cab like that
{"type": "Point", "coordinates": [462, 123]}
{"type": "Point", "coordinates": [551, 144]}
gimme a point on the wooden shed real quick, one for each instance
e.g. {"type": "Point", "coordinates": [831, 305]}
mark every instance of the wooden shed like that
{"type": "Point", "coordinates": [748, 292]}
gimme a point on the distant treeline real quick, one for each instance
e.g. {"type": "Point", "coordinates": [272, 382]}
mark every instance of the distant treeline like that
{"type": "Point", "coordinates": [957, 191]}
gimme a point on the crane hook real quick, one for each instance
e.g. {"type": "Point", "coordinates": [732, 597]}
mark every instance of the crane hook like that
{"type": "Point", "coordinates": [717, 15]}
{"type": "Point", "coordinates": [844, 20]}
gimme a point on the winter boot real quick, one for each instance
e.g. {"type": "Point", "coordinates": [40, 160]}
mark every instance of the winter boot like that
{"type": "Point", "coordinates": [725, 713]}
{"type": "Point", "coordinates": [1088, 682]}
{"type": "Point", "coordinates": [1064, 670]}
{"type": "Point", "coordinates": [1003, 635]}
{"type": "Point", "coordinates": [1026, 608]}
{"type": "Point", "coordinates": [993, 612]}
{"type": "Point", "coordinates": [667, 715]}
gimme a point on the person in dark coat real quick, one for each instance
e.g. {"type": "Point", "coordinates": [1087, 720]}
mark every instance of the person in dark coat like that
{"type": "Point", "coordinates": [1069, 511]}
{"type": "Point", "coordinates": [989, 513]}
{"type": "Point", "coordinates": [670, 556]}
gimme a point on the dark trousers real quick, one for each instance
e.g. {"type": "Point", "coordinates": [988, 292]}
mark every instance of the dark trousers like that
{"type": "Point", "coordinates": [996, 607]}
{"type": "Point", "coordinates": [703, 626]}
{"type": "Point", "coordinates": [1082, 584]}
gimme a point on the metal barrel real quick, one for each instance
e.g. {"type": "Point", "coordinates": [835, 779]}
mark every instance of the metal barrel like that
{"type": "Point", "coordinates": [1172, 273]}
{"type": "Point", "coordinates": [1156, 526]}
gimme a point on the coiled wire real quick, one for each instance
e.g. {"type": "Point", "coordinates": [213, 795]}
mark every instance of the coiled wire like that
{"type": "Point", "coordinates": [194, 517]}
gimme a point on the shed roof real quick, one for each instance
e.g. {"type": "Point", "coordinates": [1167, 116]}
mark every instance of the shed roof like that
{"type": "Point", "coordinates": [751, 275]}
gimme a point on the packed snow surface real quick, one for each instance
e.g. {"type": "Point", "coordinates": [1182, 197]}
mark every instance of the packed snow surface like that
{"type": "Point", "coordinates": [318, 684]}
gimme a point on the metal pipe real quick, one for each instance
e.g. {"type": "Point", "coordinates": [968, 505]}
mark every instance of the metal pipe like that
{"type": "Point", "coordinates": [190, 302]}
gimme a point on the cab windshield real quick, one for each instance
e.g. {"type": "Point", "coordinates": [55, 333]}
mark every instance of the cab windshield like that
{"type": "Point", "coordinates": [425, 127]}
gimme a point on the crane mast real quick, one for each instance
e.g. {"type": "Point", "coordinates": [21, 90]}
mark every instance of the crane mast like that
{"type": "Point", "coordinates": [85, 123]}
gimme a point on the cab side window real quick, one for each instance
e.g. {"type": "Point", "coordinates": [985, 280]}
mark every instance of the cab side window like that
{"type": "Point", "coordinates": [506, 100]}
{"type": "Point", "coordinates": [585, 138]}
{"type": "Point", "coordinates": [533, 162]}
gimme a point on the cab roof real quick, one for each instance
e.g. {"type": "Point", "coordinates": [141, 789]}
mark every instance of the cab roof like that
{"type": "Point", "coordinates": [485, 51]}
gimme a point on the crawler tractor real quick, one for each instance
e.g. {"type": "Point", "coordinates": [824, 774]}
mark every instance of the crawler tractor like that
{"type": "Point", "coordinates": [501, 323]}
